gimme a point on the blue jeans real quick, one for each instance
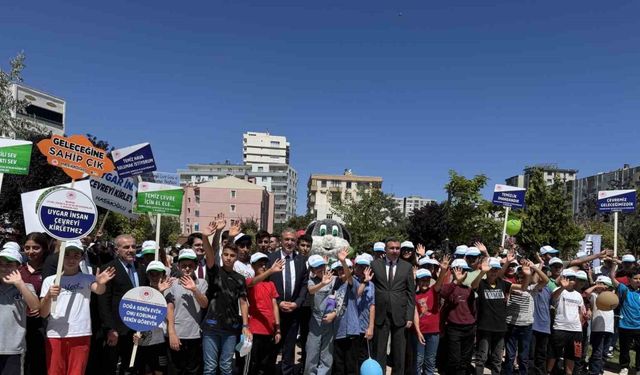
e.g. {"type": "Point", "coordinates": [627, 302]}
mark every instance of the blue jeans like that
{"type": "Point", "coordinates": [599, 342]}
{"type": "Point", "coordinates": [426, 354]}
{"type": "Point", "coordinates": [518, 341]}
{"type": "Point", "coordinates": [217, 351]}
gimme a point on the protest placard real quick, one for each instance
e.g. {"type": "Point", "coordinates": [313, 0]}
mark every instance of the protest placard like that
{"type": "Point", "coordinates": [76, 155]}
{"type": "Point", "coordinates": [134, 160]}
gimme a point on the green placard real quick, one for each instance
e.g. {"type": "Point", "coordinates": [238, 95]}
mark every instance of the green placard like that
{"type": "Point", "coordinates": [159, 199]}
{"type": "Point", "coordinates": [15, 156]}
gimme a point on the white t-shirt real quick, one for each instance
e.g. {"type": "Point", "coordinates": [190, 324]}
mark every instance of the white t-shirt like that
{"type": "Point", "coordinates": [601, 321]}
{"type": "Point", "coordinates": [568, 312]}
{"type": "Point", "coordinates": [244, 269]}
{"type": "Point", "coordinates": [72, 317]}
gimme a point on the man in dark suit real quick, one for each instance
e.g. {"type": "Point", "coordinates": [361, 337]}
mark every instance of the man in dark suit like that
{"type": "Point", "coordinates": [119, 336]}
{"type": "Point", "coordinates": [395, 302]}
{"type": "Point", "coordinates": [291, 285]}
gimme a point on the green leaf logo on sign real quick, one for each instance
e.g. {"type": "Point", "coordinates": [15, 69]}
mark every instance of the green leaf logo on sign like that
{"type": "Point", "coordinates": [15, 156]}
{"type": "Point", "coordinates": [159, 199]}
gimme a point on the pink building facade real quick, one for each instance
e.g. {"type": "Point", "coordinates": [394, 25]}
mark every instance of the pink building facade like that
{"type": "Point", "coordinates": [231, 196]}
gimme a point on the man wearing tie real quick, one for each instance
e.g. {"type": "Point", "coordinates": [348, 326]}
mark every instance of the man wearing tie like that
{"type": "Point", "coordinates": [395, 302]}
{"type": "Point", "coordinates": [119, 336]}
{"type": "Point", "coordinates": [291, 285]}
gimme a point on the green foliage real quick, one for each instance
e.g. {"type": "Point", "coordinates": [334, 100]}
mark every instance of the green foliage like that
{"type": "Point", "coordinates": [547, 218]}
{"type": "Point", "coordinates": [250, 227]}
{"type": "Point", "coordinates": [141, 228]}
{"type": "Point", "coordinates": [428, 226]}
{"type": "Point", "coordinates": [469, 217]}
{"type": "Point", "coordinates": [296, 222]}
{"type": "Point", "coordinates": [372, 217]}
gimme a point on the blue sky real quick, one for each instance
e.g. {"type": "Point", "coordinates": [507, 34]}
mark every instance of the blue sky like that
{"type": "Point", "coordinates": [402, 89]}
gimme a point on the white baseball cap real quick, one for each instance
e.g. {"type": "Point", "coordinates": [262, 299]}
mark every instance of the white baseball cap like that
{"type": "Point", "coordinates": [472, 252]}
{"type": "Point", "coordinates": [407, 244]}
{"type": "Point", "coordinates": [495, 263]}
{"type": "Point", "coordinates": [605, 280]}
{"type": "Point", "coordinates": [460, 263]}
{"type": "Point", "coordinates": [257, 256]}
{"type": "Point", "coordinates": [338, 264]}
{"type": "Point", "coordinates": [367, 256]}
{"type": "Point", "coordinates": [316, 261]}
{"type": "Point", "coordinates": [433, 261]}
{"type": "Point", "coordinates": [421, 273]}
{"type": "Point", "coordinates": [156, 265]}
{"type": "Point", "coordinates": [548, 250]}
{"type": "Point", "coordinates": [429, 253]}
{"type": "Point", "coordinates": [362, 260]}
{"type": "Point", "coordinates": [73, 245]}
{"type": "Point", "coordinates": [581, 275]}
{"type": "Point", "coordinates": [555, 261]}
{"type": "Point", "coordinates": [628, 258]}
{"type": "Point", "coordinates": [423, 260]}
{"type": "Point", "coordinates": [378, 246]}
{"type": "Point", "coordinates": [148, 247]}
{"type": "Point", "coordinates": [581, 254]}
{"type": "Point", "coordinates": [460, 250]}
{"type": "Point", "coordinates": [569, 273]}
{"type": "Point", "coordinates": [11, 245]}
{"type": "Point", "coordinates": [11, 254]}
{"type": "Point", "coordinates": [187, 254]}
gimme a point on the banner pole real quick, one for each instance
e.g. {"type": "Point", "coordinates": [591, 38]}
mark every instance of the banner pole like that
{"type": "Point", "coordinates": [504, 228]}
{"type": "Point", "coordinates": [56, 281]}
{"type": "Point", "coordinates": [615, 234]}
{"type": "Point", "coordinates": [104, 220]}
{"type": "Point", "coordinates": [134, 351]}
{"type": "Point", "coordinates": [158, 219]}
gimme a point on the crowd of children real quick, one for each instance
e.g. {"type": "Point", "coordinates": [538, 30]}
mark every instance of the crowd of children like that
{"type": "Point", "coordinates": [504, 312]}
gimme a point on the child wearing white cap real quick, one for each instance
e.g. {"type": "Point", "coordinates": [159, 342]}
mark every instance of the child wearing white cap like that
{"type": "Point", "coordinates": [321, 328]}
{"type": "Point", "coordinates": [366, 303]}
{"type": "Point", "coordinates": [15, 297]}
{"type": "Point", "coordinates": [69, 326]}
{"type": "Point", "coordinates": [264, 314]}
{"type": "Point", "coordinates": [427, 318]}
{"type": "Point", "coordinates": [566, 339]}
{"type": "Point", "coordinates": [186, 300]}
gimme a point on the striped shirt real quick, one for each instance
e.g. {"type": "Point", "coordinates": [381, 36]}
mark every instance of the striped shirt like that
{"type": "Point", "coordinates": [520, 308]}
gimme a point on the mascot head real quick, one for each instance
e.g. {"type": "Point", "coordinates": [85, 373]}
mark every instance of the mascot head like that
{"type": "Point", "coordinates": [329, 237]}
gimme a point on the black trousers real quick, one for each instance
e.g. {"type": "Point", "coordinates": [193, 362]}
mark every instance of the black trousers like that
{"type": "Point", "coordinates": [627, 338]}
{"type": "Point", "coordinates": [538, 353]}
{"type": "Point", "coordinates": [345, 356]}
{"type": "Point", "coordinates": [398, 342]}
{"type": "Point", "coordinates": [305, 315]}
{"type": "Point", "coordinates": [187, 360]}
{"type": "Point", "coordinates": [263, 355]}
{"type": "Point", "coordinates": [119, 353]}
{"type": "Point", "coordinates": [289, 325]}
{"type": "Point", "coordinates": [460, 339]}
{"type": "Point", "coordinates": [34, 360]}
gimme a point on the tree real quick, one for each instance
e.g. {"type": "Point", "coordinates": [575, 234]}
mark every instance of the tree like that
{"type": "Point", "coordinates": [371, 217]}
{"type": "Point", "coordinates": [469, 217]}
{"type": "Point", "coordinates": [141, 228]}
{"type": "Point", "coordinates": [547, 218]}
{"type": "Point", "coordinates": [428, 226]}
{"type": "Point", "coordinates": [295, 222]}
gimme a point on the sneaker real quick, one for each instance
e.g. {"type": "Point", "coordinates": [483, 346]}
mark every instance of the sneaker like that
{"type": "Point", "coordinates": [609, 354]}
{"type": "Point", "coordinates": [624, 371]}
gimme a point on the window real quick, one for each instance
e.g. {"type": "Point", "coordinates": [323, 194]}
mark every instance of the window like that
{"type": "Point", "coordinates": [232, 208]}
{"type": "Point", "coordinates": [329, 216]}
{"type": "Point", "coordinates": [323, 184]}
{"type": "Point", "coordinates": [198, 199]}
{"type": "Point", "coordinates": [197, 213]}
{"type": "Point", "coordinates": [188, 210]}
{"type": "Point", "coordinates": [196, 227]}
{"type": "Point", "coordinates": [189, 200]}
{"type": "Point", "coordinates": [275, 143]}
{"type": "Point", "coordinates": [233, 193]}
{"type": "Point", "coordinates": [260, 169]}
{"type": "Point", "coordinates": [349, 185]}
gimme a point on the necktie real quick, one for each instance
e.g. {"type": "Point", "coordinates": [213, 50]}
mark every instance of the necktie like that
{"type": "Point", "coordinates": [200, 272]}
{"type": "Point", "coordinates": [287, 278]}
{"type": "Point", "coordinates": [131, 275]}
{"type": "Point", "coordinates": [390, 273]}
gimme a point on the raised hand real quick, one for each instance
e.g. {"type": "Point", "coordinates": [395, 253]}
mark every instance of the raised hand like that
{"type": "Point", "coordinates": [327, 277]}
{"type": "Point", "coordinates": [421, 250]}
{"type": "Point", "coordinates": [165, 283]}
{"type": "Point", "coordinates": [485, 265]}
{"type": "Point", "coordinates": [368, 274]}
{"type": "Point", "coordinates": [564, 282]}
{"type": "Point", "coordinates": [481, 247]}
{"type": "Point", "coordinates": [526, 267]}
{"type": "Point", "coordinates": [187, 282]}
{"type": "Point", "coordinates": [342, 254]}
{"type": "Point", "coordinates": [105, 276]}
{"type": "Point", "coordinates": [446, 260]}
{"type": "Point", "coordinates": [458, 274]}
{"type": "Point", "coordinates": [277, 266]}
{"type": "Point", "coordinates": [13, 278]}
{"type": "Point", "coordinates": [235, 229]}
{"type": "Point", "coordinates": [511, 256]}
{"type": "Point", "coordinates": [220, 222]}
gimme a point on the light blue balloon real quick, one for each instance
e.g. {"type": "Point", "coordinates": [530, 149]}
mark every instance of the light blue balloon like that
{"type": "Point", "coordinates": [370, 367]}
